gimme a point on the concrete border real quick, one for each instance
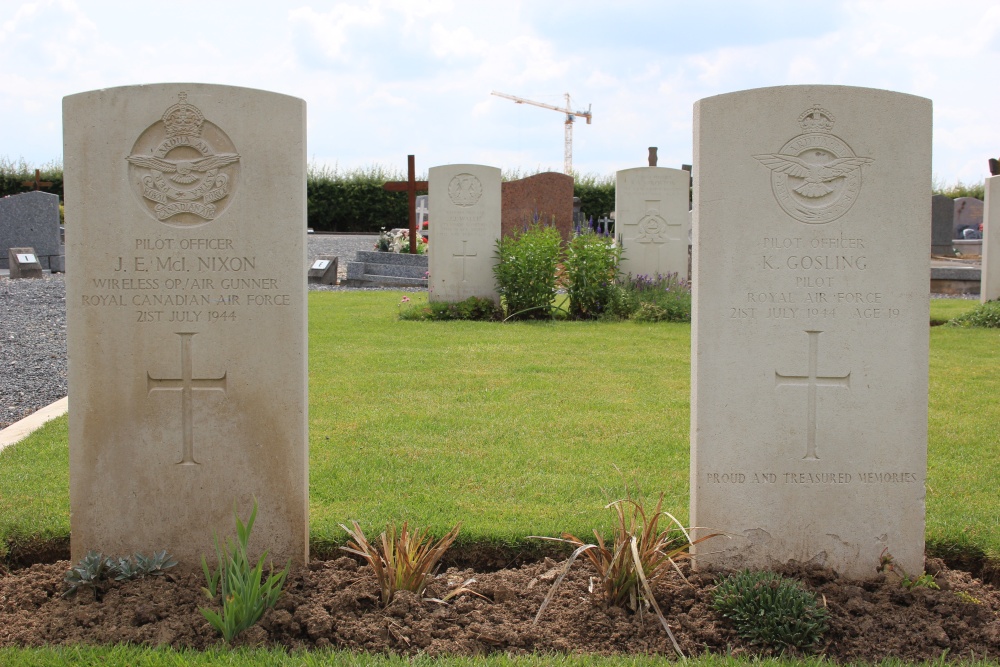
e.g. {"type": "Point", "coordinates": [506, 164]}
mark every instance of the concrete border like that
{"type": "Point", "coordinates": [22, 429]}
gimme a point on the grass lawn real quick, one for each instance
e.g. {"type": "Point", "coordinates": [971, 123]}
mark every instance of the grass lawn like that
{"type": "Point", "coordinates": [528, 428]}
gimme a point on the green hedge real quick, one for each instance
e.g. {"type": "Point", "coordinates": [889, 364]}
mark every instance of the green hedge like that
{"type": "Point", "coordinates": [13, 174]}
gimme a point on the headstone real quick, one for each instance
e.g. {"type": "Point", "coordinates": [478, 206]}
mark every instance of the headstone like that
{"type": "Point", "coordinates": [809, 335]}
{"type": "Point", "coordinates": [23, 263]}
{"type": "Point", "coordinates": [651, 214]}
{"type": "Point", "coordinates": [990, 286]}
{"type": "Point", "coordinates": [323, 270]}
{"type": "Point", "coordinates": [547, 197]}
{"type": "Point", "coordinates": [942, 225]}
{"type": "Point", "coordinates": [466, 219]}
{"type": "Point", "coordinates": [30, 219]}
{"type": "Point", "coordinates": [422, 210]}
{"type": "Point", "coordinates": [968, 215]}
{"type": "Point", "coordinates": [186, 327]}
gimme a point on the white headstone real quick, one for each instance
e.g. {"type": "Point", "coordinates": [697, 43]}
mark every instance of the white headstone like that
{"type": "Point", "coordinates": [651, 214]}
{"type": "Point", "coordinates": [421, 210]}
{"type": "Point", "coordinates": [186, 327]}
{"type": "Point", "coordinates": [989, 289]}
{"type": "Point", "coordinates": [809, 335]}
{"type": "Point", "coordinates": [466, 219]}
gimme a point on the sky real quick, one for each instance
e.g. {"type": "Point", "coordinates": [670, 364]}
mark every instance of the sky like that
{"type": "Point", "coordinates": [386, 78]}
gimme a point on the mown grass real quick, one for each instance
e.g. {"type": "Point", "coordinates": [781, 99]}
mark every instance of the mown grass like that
{"type": "Point", "coordinates": [529, 428]}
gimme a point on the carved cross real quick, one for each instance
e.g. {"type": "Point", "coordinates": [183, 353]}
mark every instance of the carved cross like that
{"type": "Point", "coordinates": [464, 255]}
{"type": "Point", "coordinates": [38, 183]}
{"type": "Point", "coordinates": [187, 384]}
{"type": "Point", "coordinates": [812, 382]}
{"type": "Point", "coordinates": [410, 187]}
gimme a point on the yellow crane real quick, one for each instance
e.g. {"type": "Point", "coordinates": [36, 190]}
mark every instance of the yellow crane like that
{"type": "Point", "coordinates": [570, 118]}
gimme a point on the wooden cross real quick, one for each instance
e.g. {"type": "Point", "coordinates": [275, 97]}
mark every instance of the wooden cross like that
{"type": "Point", "coordinates": [38, 183]}
{"type": "Point", "coordinates": [410, 186]}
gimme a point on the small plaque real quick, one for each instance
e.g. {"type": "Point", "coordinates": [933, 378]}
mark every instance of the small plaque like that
{"type": "Point", "coordinates": [26, 258]}
{"type": "Point", "coordinates": [320, 264]}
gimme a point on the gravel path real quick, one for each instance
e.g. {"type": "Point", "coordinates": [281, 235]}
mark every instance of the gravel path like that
{"type": "Point", "coordinates": [33, 331]}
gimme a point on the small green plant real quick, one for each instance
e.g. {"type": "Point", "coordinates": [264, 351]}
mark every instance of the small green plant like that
{"type": "Point", "coordinates": [473, 308]}
{"type": "Point", "coordinates": [985, 315]}
{"type": "Point", "coordinates": [590, 271]}
{"type": "Point", "coordinates": [967, 597]}
{"type": "Point", "coordinates": [525, 271]}
{"type": "Point", "coordinates": [640, 551]}
{"type": "Point", "coordinates": [244, 593]}
{"type": "Point", "coordinates": [887, 563]}
{"type": "Point", "coordinates": [402, 560]}
{"type": "Point", "coordinates": [95, 569]}
{"type": "Point", "coordinates": [770, 610]}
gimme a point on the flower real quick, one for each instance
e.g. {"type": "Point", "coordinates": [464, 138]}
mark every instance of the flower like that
{"type": "Point", "coordinates": [405, 299]}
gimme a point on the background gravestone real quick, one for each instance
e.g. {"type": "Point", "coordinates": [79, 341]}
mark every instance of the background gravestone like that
{"type": "Point", "coordinates": [23, 263]}
{"type": "Point", "coordinates": [186, 318]}
{"type": "Point", "coordinates": [549, 196]}
{"type": "Point", "coordinates": [31, 219]}
{"type": "Point", "coordinates": [809, 328]}
{"type": "Point", "coordinates": [968, 215]}
{"type": "Point", "coordinates": [651, 220]}
{"type": "Point", "coordinates": [465, 215]}
{"type": "Point", "coordinates": [942, 225]}
{"type": "Point", "coordinates": [990, 286]}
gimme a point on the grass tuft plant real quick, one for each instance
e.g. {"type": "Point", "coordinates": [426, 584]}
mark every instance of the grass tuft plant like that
{"type": "Point", "coordinates": [641, 550]}
{"type": "Point", "coordinates": [474, 308]}
{"type": "Point", "coordinates": [985, 315]}
{"type": "Point", "coordinates": [245, 594]}
{"type": "Point", "coordinates": [95, 569]}
{"type": "Point", "coordinates": [770, 610]}
{"type": "Point", "coordinates": [402, 560]}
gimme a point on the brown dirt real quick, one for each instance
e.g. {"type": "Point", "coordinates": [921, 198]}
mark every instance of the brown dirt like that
{"type": "Point", "coordinates": [335, 604]}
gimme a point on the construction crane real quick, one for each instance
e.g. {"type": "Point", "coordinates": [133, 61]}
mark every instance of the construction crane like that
{"type": "Point", "coordinates": [570, 118]}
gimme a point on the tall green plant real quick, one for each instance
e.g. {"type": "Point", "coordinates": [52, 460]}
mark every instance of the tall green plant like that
{"type": "Point", "coordinates": [245, 594]}
{"type": "Point", "coordinates": [591, 269]}
{"type": "Point", "coordinates": [525, 271]}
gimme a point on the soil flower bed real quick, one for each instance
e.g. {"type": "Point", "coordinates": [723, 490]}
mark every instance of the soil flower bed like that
{"type": "Point", "coordinates": [336, 604]}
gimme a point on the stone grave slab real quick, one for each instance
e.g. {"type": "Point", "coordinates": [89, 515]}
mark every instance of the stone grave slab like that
{"type": "Point", "coordinates": [809, 332]}
{"type": "Point", "coordinates": [30, 219]}
{"type": "Point", "coordinates": [23, 263]}
{"type": "Point", "coordinates": [465, 213]}
{"type": "Point", "coordinates": [186, 323]}
{"type": "Point", "coordinates": [990, 286]}
{"type": "Point", "coordinates": [323, 270]}
{"type": "Point", "coordinates": [549, 196]}
{"type": "Point", "coordinates": [942, 225]}
{"type": "Point", "coordinates": [651, 219]}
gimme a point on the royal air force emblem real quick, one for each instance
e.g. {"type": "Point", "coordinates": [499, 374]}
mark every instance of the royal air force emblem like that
{"type": "Point", "coordinates": [183, 168]}
{"type": "Point", "coordinates": [815, 177]}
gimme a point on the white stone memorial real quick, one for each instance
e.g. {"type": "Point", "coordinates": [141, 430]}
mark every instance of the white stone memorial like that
{"type": "Point", "coordinates": [989, 289]}
{"type": "Point", "coordinates": [651, 215]}
{"type": "Point", "coordinates": [464, 202]}
{"type": "Point", "coordinates": [809, 334]}
{"type": "Point", "coordinates": [187, 345]}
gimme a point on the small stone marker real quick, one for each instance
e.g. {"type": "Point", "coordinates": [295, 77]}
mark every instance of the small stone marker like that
{"type": "Point", "coordinates": [23, 263]}
{"type": "Point", "coordinates": [466, 219]}
{"type": "Point", "coordinates": [31, 219]}
{"type": "Point", "coordinates": [651, 215]}
{"type": "Point", "coordinates": [809, 334]}
{"type": "Point", "coordinates": [942, 225]}
{"type": "Point", "coordinates": [548, 195]}
{"type": "Point", "coordinates": [990, 287]}
{"type": "Point", "coordinates": [186, 328]}
{"type": "Point", "coordinates": [323, 270]}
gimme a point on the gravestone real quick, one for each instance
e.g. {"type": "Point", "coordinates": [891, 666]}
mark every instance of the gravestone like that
{"type": "Point", "coordinates": [990, 286]}
{"type": "Point", "coordinates": [809, 334]}
{"type": "Point", "coordinates": [547, 197]}
{"type": "Point", "coordinates": [942, 225]}
{"type": "Point", "coordinates": [23, 263]}
{"type": "Point", "coordinates": [968, 215]}
{"type": "Point", "coordinates": [651, 214]}
{"type": "Point", "coordinates": [422, 210]}
{"type": "Point", "coordinates": [186, 321]}
{"type": "Point", "coordinates": [466, 219]}
{"type": "Point", "coordinates": [31, 219]}
{"type": "Point", "coordinates": [323, 270]}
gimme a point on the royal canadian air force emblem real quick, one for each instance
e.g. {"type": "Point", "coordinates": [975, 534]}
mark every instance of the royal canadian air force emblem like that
{"type": "Point", "coordinates": [815, 177]}
{"type": "Point", "coordinates": [183, 168]}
